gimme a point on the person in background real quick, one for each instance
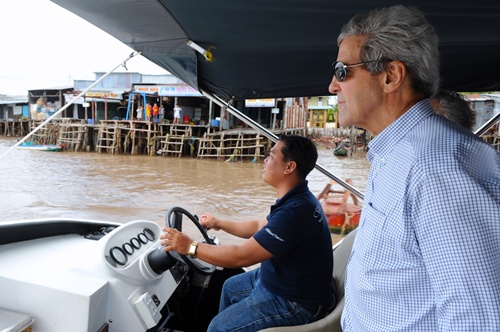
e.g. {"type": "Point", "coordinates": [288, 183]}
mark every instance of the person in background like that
{"type": "Point", "coordinates": [140, 110]}
{"type": "Point", "coordinates": [156, 111]}
{"type": "Point", "coordinates": [162, 113]}
{"type": "Point", "coordinates": [225, 121]}
{"type": "Point", "coordinates": [177, 113]}
{"type": "Point", "coordinates": [148, 112]}
{"type": "Point", "coordinates": [426, 254]}
{"type": "Point", "coordinates": [294, 246]}
{"type": "Point", "coordinates": [453, 106]}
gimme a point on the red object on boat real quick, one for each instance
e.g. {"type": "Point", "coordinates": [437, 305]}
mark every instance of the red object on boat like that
{"type": "Point", "coordinates": [339, 211]}
{"type": "Point", "coordinates": [336, 212]}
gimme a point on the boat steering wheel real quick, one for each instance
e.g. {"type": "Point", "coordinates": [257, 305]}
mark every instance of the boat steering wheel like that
{"type": "Point", "coordinates": [173, 219]}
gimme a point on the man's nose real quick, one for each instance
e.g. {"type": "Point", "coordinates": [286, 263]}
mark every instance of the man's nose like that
{"type": "Point", "coordinates": [334, 86]}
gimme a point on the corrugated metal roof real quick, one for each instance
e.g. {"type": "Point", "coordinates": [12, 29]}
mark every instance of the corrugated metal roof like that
{"type": "Point", "coordinates": [57, 88]}
{"type": "Point", "coordinates": [5, 99]}
{"type": "Point", "coordinates": [477, 97]}
{"type": "Point", "coordinates": [320, 107]}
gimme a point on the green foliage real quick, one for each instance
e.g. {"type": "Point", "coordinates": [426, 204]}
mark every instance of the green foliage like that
{"type": "Point", "coordinates": [330, 116]}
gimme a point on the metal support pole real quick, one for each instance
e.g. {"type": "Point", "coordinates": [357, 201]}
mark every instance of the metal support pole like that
{"type": "Point", "coordinates": [123, 63]}
{"type": "Point", "coordinates": [275, 138]}
{"type": "Point", "coordinates": [484, 128]}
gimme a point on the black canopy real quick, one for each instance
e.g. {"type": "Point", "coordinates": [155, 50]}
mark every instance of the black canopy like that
{"type": "Point", "coordinates": [284, 48]}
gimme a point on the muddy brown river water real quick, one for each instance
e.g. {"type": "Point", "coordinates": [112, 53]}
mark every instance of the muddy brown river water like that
{"type": "Point", "coordinates": [122, 188]}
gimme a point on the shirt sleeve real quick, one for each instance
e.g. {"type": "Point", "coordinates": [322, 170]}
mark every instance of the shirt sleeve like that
{"type": "Point", "coordinates": [457, 226]}
{"type": "Point", "coordinates": [289, 225]}
{"type": "Point", "coordinates": [278, 236]}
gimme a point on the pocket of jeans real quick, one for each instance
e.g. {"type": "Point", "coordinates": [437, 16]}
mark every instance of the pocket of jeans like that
{"type": "Point", "coordinates": [295, 306]}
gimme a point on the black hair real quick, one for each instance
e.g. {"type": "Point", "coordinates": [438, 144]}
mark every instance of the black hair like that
{"type": "Point", "coordinates": [301, 150]}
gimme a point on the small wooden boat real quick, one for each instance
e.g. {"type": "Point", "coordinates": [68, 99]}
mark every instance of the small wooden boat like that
{"type": "Point", "coordinates": [40, 147]}
{"type": "Point", "coordinates": [341, 150]}
{"type": "Point", "coordinates": [341, 208]}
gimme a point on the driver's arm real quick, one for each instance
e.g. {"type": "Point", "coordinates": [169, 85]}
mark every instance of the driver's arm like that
{"type": "Point", "coordinates": [248, 253]}
{"type": "Point", "coordinates": [243, 229]}
{"type": "Point", "coordinates": [231, 256]}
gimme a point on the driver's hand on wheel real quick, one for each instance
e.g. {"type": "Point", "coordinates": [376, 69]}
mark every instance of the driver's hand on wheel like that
{"type": "Point", "coordinates": [209, 222]}
{"type": "Point", "coordinates": [174, 240]}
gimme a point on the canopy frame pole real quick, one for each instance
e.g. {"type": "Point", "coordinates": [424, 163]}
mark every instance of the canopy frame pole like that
{"type": "Point", "coordinates": [41, 125]}
{"type": "Point", "coordinates": [267, 133]}
{"type": "Point", "coordinates": [484, 128]}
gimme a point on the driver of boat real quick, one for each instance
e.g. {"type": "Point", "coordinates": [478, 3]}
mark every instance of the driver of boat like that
{"type": "Point", "coordinates": [293, 245]}
{"type": "Point", "coordinates": [427, 251]}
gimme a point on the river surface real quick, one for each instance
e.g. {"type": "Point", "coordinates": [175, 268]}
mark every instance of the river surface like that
{"type": "Point", "coordinates": [122, 188]}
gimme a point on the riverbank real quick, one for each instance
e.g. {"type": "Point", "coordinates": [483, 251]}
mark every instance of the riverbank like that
{"type": "Point", "coordinates": [165, 139]}
{"type": "Point", "coordinates": [150, 138]}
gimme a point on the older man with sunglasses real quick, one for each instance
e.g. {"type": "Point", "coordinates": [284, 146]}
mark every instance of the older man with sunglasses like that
{"type": "Point", "coordinates": [427, 251]}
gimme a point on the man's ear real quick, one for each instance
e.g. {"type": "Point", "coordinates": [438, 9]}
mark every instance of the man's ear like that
{"type": "Point", "coordinates": [395, 75]}
{"type": "Point", "coordinates": [290, 167]}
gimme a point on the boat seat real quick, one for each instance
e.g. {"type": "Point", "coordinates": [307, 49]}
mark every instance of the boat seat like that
{"type": "Point", "coordinates": [331, 322]}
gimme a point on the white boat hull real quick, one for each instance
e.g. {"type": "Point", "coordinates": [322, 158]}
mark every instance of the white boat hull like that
{"type": "Point", "coordinates": [69, 281]}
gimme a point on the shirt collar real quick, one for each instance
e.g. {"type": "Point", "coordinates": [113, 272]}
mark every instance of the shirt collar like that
{"type": "Point", "coordinates": [301, 187]}
{"type": "Point", "coordinates": [384, 142]}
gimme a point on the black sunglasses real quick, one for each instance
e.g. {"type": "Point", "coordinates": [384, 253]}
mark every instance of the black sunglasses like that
{"type": "Point", "coordinates": [339, 69]}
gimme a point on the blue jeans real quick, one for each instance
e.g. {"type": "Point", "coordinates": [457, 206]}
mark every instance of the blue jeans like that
{"type": "Point", "coordinates": [246, 305]}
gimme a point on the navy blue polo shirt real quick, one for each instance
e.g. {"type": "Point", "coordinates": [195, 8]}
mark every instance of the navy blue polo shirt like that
{"type": "Point", "coordinates": [298, 237]}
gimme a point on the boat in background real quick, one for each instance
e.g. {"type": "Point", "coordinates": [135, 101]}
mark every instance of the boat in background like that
{"type": "Point", "coordinates": [40, 147]}
{"type": "Point", "coordinates": [341, 150]}
{"type": "Point", "coordinates": [341, 208]}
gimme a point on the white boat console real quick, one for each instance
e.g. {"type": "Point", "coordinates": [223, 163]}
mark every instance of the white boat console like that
{"type": "Point", "coordinates": [95, 278]}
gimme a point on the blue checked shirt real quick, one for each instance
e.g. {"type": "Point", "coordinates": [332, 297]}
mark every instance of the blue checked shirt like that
{"type": "Point", "coordinates": [427, 250]}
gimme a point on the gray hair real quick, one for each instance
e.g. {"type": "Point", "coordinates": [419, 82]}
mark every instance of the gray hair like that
{"type": "Point", "coordinates": [398, 33]}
